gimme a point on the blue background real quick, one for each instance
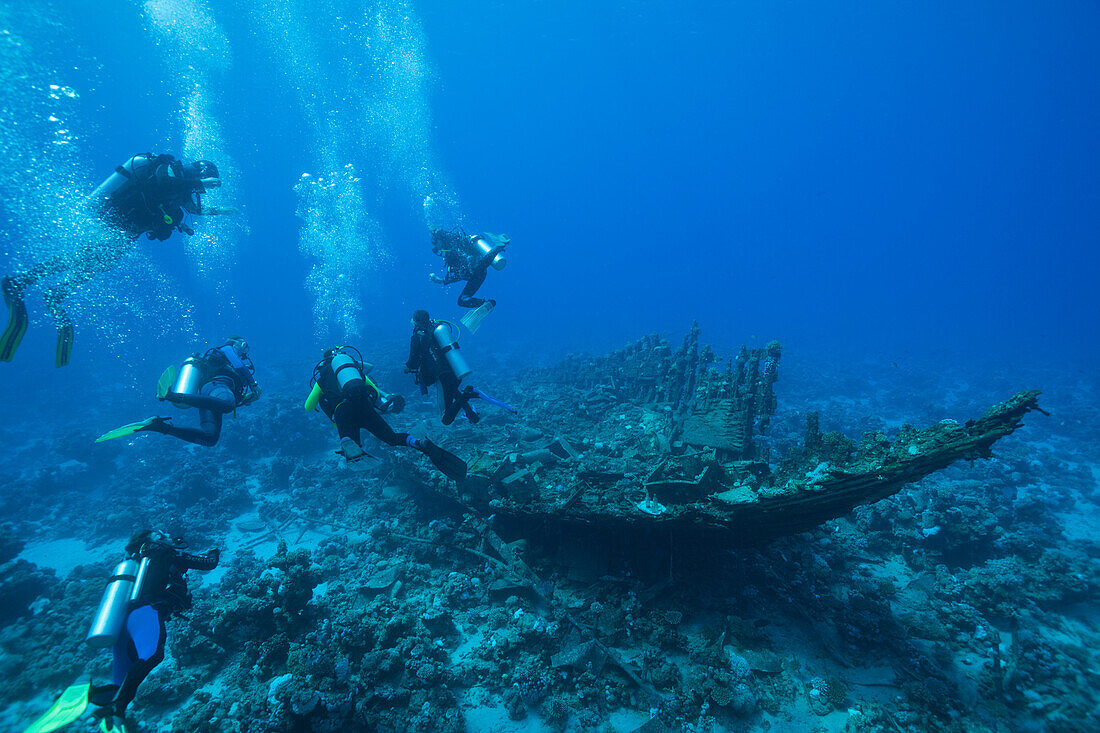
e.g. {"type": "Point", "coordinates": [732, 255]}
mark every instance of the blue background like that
{"type": "Point", "coordinates": [874, 179]}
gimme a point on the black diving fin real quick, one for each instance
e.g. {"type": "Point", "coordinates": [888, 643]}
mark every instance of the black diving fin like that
{"type": "Point", "coordinates": [451, 465]}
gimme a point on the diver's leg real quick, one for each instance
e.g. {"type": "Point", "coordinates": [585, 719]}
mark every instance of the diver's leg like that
{"type": "Point", "coordinates": [213, 401]}
{"type": "Point", "coordinates": [379, 428]}
{"type": "Point", "coordinates": [207, 434]}
{"type": "Point", "coordinates": [348, 419]}
{"type": "Point", "coordinates": [145, 628]}
{"type": "Point", "coordinates": [453, 399]}
{"type": "Point", "coordinates": [20, 281]}
{"type": "Point", "coordinates": [466, 298]}
{"type": "Point", "coordinates": [213, 396]}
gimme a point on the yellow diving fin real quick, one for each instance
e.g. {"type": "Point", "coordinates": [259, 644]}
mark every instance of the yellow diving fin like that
{"type": "Point", "coordinates": [472, 320]}
{"type": "Point", "coordinates": [17, 325]}
{"type": "Point", "coordinates": [129, 429]}
{"type": "Point", "coordinates": [69, 707]}
{"type": "Point", "coordinates": [64, 345]}
{"type": "Point", "coordinates": [164, 384]}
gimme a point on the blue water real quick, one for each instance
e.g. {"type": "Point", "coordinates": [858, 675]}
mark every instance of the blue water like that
{"type": "Point", "coordinates": [883, 177]}
{"type": "Point", "coordinates": [893, 183]}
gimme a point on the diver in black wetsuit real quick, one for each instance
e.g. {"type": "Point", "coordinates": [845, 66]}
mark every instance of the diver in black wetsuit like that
{"type": "Point", "coordinates": [428, 366]}
{"type": "Point", "coordinates": [344, 392]}
{"type": "Point", "coordinates": [431, 361]}
{"type": "Point", "coordinates": [148, 194]}
{"type": "Point", "coordinates": [217, 383]}
{"type": "Point", "coordinates": [468, 258]}
{"type": "Point", "coordinates": [139, 647]}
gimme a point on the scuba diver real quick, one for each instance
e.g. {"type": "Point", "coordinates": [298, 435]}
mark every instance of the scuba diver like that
{"type": "Point", "coordinates": [216, 382]}
{"type": "Point", "coordinates": [148, 194]}
{"type": "Point", "coordinates": [468, 257]}
{"type": "Point", "coordinates": [434, 357]}
{"type": "Point", "coordinates": [341, 388]}
{"type": "Point", "coordinates": [142, 593]}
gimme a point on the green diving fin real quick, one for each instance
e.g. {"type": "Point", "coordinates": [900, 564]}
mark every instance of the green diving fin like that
{"type": "Point", "coordinates": [69, 707]}
{"type": "Point", "coordinates": [64, 345]}
{"type": "Point", "coordinates": [472, 320]}
{"type": "Point", "coordinates": [164, 384]}
{"type": "Point", "coordinates": [17, 321]}
{"type": "Point", "coordinates": [130, 429]}
{"type": "Point", "coordinates": [451, 465]}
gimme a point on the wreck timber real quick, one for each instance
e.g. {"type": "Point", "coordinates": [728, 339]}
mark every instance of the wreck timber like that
{"type": "Point", "coordinates": [683, 453]}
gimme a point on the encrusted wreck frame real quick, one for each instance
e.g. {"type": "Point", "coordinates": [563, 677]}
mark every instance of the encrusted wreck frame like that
{"type": "Point", "coordinates": [698, 466]}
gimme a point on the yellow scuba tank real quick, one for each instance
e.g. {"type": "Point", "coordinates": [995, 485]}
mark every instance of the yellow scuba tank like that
{"type": "Point", "coordinates": [313, 399]}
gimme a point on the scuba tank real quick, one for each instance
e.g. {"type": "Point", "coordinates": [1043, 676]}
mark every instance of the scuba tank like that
{"type": "Point", "coordinates": [114, 605]}
{"type": "Point", "coordinates": [485, 247]}
{"type": "Point", "coordinates": [122, 177]}
{"type": "Point", "coordinates": [139, 581]}
{"type": "Point", "coordinates": [346, 369]}
{"type": "Point", "coordinates": [444, 336]}
{"type": "Point", "coordinates": [188, 380]}
{"type": "Point", "coordinates": [315, 395]}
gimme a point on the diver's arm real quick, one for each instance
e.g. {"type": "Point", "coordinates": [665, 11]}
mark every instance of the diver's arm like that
{"type": "Point", "coordinates": [206, 562]}
{"type": "Point", "coordinates": [200, 210]}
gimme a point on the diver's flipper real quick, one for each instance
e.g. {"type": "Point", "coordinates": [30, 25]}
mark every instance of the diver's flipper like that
{"type": "Point", "coordinates": [131, 429]}
{"type": "Point", "coordinates": [113, 724]}
{"type": "Point", "coordinates": [17, 321]}
{"type": "Point", "coordinates": [69, 707]}
{"type": "Point", "coordinates": [451, 465]}
{"type": "Point", "coordinates": [494, 401]}
{"type": "Point", "coordinates": [64, 345]}
{"type": "Point", "coordinates": [164, 384]}
{"type": "Point", "coordinates": [472, 320]}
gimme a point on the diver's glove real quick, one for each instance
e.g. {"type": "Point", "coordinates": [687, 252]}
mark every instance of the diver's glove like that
{"type": "Point", "coordinates": [394, 403]}
{"type": "Point", "coordinates": [435, 278]}
{"type": "Point", "coordinates": [252, 396]}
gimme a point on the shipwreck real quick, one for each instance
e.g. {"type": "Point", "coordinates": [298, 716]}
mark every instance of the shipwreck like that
{"type": "Point", "coordinates": [685, 452]}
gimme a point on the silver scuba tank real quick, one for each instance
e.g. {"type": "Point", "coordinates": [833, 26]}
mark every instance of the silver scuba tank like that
{"type": "Point", "coordinates": [499, 261]}
{"type": "Point", "coordinates": [113, 606]}
{"type": "Point", "coordinates": [116, 181]}
{"type": "Point", "coordinates": [448, 344]}
{"type": "Point", "coordinates": [188, 381]}
{"type": "Point", "coordinates": [345, 369]}
{"type": "Point", "coordinates": [139, 581]}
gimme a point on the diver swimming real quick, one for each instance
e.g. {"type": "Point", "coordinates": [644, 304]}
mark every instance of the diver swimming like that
{"type": "Point", "coordinates": [343, 391]}
{"type": "Point", "coordinates": [468, 258]}
{"type": "Point", "coordinates": [435, 357]}
{"type": "Point", "coordinates": [216, 382]}
{"type": "Point", "coordinates": [148, 194]}
{"type": "Point", "coordinates": [145, 590]}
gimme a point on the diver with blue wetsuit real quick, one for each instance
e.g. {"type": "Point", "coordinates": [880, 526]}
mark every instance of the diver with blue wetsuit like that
{"type": "Point", "coordinates": [144, 592]}
{"type": "Point", "coordinates": [216, 382]}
